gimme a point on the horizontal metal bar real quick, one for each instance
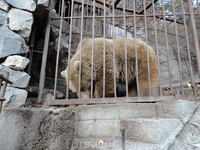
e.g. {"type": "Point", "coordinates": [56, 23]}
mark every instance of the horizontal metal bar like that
{"type": "Point", "coordinates": [115, 100]}
{"type": "Point", "coordinates": [2, 99]}
{"type": "Point", "coordinates": [5, 79]}
{"type": "Point", "coordinates": [121, 16]}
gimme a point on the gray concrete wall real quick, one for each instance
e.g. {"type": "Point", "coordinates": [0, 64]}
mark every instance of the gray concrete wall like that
{"type": "Point", "coordinates": [175, 67]}
{"type": "Point", "coordinates": [172, 125]}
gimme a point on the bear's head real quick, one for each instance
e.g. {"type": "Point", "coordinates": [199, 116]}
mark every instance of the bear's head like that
{"type": "Point", "coordinates": [73, 79]}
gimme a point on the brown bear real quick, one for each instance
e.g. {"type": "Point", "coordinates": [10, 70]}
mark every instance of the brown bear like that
{"type": "Point", "coordinates": [108, 48]}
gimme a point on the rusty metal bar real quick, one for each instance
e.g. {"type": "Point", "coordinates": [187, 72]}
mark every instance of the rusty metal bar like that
{"type": "Point", "coordinates": [104, 50]}
{"type": "Point", "coordinates": [188, 46]}
{"type": "Point", "coordinates": [157, 52]}
{"type": "Point", "coordinates": [125, 49]}
{"type": "Point", "coordinates": [58, 48]}
{"type": "Point", "coordinates": [158, 16]}
{"type": "Point", "coordinates": [69, 50]}
{"type": "Point", "coordinates": [5, 79]}
{"type": "Point", "coordinates": [178, 48]}
{"type": "Point", "coordinates": [44, 56]}
{"type": "Point", "coordinates": [32, 45]}
{"type": "Point", "coordinates": [3, 89]}
{"type": "Point", "coordinates": [81, 39]}
{"type": "Point", "coordinates": [114, 50]}
{"type": "Point", "coordinates": [136, 51]}
{"type": "Point", "coordinates": [147, 50]}
{"type": "Point", "coordinates": [167, 45]}
{"type": "Point", "coordinates": [93, 46]}
{"type": "Point", "coordinates": [196, 42]}
{"type": "Point", "coordinates": [117, 100]}
{"type": "Point", "coordinates": [198, 9]}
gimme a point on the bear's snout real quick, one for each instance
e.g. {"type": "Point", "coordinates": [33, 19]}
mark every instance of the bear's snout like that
{"type": "Point", "coordinates": [63, 74]}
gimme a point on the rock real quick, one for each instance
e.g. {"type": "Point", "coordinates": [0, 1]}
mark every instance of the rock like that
{"type": "Point", "coordinates": [29, 5]}
{"type": "Point", "coordinates": [14, 97]}
{"type": "Point", "coordinates": [20, 21]}
{"type": "Point", "coordinates": [63, 44]}
{"type": "Point", "coordinates": [19, 79]}
{"type": "Point", "coordinates": [16, 62]}
{"type": "Point", "coordinates": [56, 23]}
{"type": "Point", "coordinates": [43, 3]}
{"type": "Point", "coordinates": [4, 5]}
{"type": "Point", "coordinates": [3, 17]}
{"type": "Point", "coordinates": [11, 43]}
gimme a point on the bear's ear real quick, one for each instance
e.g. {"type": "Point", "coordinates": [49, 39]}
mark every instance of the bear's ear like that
{"type": "Point", "coordinates": [76, 65]}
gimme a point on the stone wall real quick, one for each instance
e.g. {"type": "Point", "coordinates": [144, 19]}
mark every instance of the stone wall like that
{"type": "Point", "coordinates": [16, 20]}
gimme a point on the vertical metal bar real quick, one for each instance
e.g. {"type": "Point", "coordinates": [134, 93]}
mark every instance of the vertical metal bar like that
{"type": "Point", "coordinates": [58, 48]}
{"type": "Point", "coordinates": [64, 9]}
{"type": "Point", "coordinates": [125, 48]}
{"type": "Point", "coordinates": [44, 56]}
{"type": "Point", "coordinates": [91, 18]}
{"type": "Point", "coordinates": [188, 45]}
{"type": "Point", "coordinates": [156, 39]}
{"type": "Point", "coordinates": [109, 22]}
{"type": "Point", "coordinates": [104, 48]}
{"type": "Point", "coordinates": [123, 139]}
{"type": "Point", "coordinates": [101, 27]}
{"type": "Point", "coordinates": [146, 40]}
{"type": "Point", "coordinates": [32, 45]}
{"type": "Point", "coordinates": [3, 90]}
{"type": "Point", "coordinates": [84, 20]}
{"type": "Point", "coordinates": [178, 48]}
{"type": "Point", "coordinates": [167, 45]}
{"type": "Point", "coordinates": [68, 10]}
{"type": "Point", "coordinates": [59, 7]}
{"type": "Point", "coordinates": [99, 21]}
{"type": "Point", "coordinates": [114, 48]}
{"type": "Point", "coordinates": [74, 13]}
{"type": "Point", "coordinates": [198, 5]}
{"type": "Point", "coordinates": [81, 39]}
{"type": "Point", "coordinates": [0, 83]}
{"type": "Point", "coordinates": [69, 50]}
{"type": "Point", "coordinates": [136, 50]}
{"type": "Point", "coordinates": [93, 30]}
{"type": "Point", "coordinates": [196, 43]}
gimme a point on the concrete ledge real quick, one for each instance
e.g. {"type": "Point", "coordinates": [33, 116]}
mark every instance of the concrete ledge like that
{"type": "Point", "coordinates": [170, 109]}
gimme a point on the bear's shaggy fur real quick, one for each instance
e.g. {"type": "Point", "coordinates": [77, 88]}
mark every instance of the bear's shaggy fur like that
{"type": "Point", "coordinates": [116, 46]}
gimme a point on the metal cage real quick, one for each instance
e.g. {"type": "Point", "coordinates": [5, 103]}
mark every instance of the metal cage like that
{"type": "Point", "coordinates": [170, 27]}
